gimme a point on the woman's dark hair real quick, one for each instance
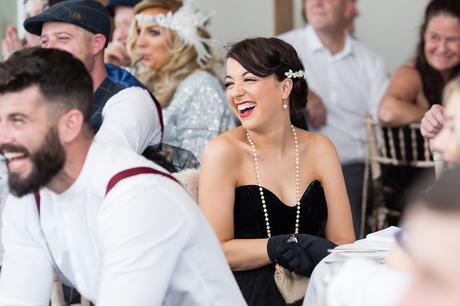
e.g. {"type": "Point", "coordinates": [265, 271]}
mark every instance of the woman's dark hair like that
{"type": "Point", "coordinates": [432, 80]}
{"type": "Point", "coordinates": [267, 56]}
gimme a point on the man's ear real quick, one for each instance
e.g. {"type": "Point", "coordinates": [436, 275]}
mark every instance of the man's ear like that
{"type": "Point", "coordinates": [286, 88]}
{"type": "Point", "coordinates": [98, 43]}
{"type": "Point", "coordinates": [70, 126]}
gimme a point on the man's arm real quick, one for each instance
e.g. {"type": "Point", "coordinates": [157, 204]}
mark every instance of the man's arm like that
{"type": "Point", "coordinates": [130, 118]}
{"type": "Point", "coordinates": [27, 273]}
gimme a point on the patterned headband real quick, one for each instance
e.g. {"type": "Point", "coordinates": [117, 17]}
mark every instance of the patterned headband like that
{"type": "Point", "coordinates": [185, 22]}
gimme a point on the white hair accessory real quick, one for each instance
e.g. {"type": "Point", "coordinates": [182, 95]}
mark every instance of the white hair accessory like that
{"type": "Point", "coordinates": [185, 22]}
{"type": "Point", "coordinates": [293, 75]}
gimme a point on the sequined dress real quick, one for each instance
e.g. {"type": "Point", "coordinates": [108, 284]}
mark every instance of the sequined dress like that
{"type": "Point", "coordinates": [198, 112]}
{"type": "Point", "coordinates": [258, 285]}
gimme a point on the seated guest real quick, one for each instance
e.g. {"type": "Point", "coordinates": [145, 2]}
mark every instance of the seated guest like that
{"type": "Point", "coordinates": [432, 224]}
{"type": "Point", "coordinates": [122, 12]}
{"type": "Point", "coordinates": [266, 184]}
{"type": "Point", "coordinates": [109, 222]}
{"type": "Point", "coordinates": [11, 43]}
{"type": "Point", "coordinates": [343, 89]}
{"type": "Point", "coordinates": [124, 113]}
{"type": "Point", "coordinates": [171, 47]}
{"type": "Point", "coordinates": [447, 141]}
{"type": "Point", "coordinates": [418, 85]}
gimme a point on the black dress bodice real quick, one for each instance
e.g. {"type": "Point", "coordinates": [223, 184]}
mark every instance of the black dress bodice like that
{"type": "Point", "coordinates": [258, 285]}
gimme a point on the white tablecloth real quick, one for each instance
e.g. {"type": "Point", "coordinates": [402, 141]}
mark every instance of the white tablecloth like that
{"type": "Point", "coordinates": [353, 271]}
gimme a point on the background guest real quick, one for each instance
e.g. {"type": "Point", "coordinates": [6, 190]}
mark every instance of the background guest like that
{"type": "Point", "coordinates": [418, 85]}
{"type": "Point", "coordinates": [340, 99]}
{"type": "Point", "coordinates": [122, 12]}
{"type": "Point", "coordinates": [175, 60]}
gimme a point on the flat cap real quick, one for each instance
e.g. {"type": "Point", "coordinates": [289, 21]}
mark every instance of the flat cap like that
{"type": "Point", "coordinates": [111, 4]}
{"type": "Point", "coordinates": [87, 14]}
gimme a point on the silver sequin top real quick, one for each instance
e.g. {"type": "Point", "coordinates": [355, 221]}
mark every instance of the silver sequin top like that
{"type": "Point", "coordinates": [198, 112]}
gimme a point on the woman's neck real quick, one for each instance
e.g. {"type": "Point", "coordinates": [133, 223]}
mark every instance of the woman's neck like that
{"type": "Point", "coordinates": [278, 141]}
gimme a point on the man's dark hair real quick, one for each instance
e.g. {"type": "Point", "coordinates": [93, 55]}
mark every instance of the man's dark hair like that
{"type": "Point", "coordinates": [61, 78]}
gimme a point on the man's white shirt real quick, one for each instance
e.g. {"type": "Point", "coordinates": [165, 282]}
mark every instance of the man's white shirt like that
{"type": "Point", "coordinates": [145, 243]}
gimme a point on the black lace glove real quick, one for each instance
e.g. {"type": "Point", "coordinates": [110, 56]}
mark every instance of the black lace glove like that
{"type": "Point", "coordinates": [294, 258]}
{"type": "Point", "coordinates": [301, 256]}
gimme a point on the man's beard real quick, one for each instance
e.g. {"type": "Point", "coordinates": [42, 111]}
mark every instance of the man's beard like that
{"type": "Point", "coordinates": [47, 161]}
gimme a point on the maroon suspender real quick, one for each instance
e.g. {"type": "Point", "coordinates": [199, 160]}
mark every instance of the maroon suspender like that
{"type": "Point", "coordinates": [37, 201]}
{"type": "Point", "coordinates": [134, 171]}
{"type": "Point", "coordinates": [118, 177]}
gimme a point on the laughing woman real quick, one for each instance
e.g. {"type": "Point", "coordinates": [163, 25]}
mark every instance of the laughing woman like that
{"type": "Point", "coordinates": [266, 184]}
{"type": "Point", "coordinates": [174, 59]}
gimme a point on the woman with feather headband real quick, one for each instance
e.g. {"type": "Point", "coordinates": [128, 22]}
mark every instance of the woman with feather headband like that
{"type": "Point", "coordinates": [174, 58]}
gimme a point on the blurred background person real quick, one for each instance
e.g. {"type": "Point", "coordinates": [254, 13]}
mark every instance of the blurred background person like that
{"type": "Point", "coordinates": [432, 225]}
{"type": "Point", "coordinates": [343, 89]}
{"type": "Point", "coordinates": [414, 88]}
{"type": "Point", "coordinates": [12, 42]}
{"type": "Point", "coordinates": [174, 58]}
{"type": "Point", "coordinates": [418, 85]}
{"type": "Point", "coordinates": [122, 12]}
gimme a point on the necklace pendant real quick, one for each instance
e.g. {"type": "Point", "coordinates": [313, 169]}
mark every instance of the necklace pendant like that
{"type": "Point", "coordinates": [293, 238]}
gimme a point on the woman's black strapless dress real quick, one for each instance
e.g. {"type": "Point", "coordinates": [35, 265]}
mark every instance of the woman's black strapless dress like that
{"type": "Point", "coordinates": [258, 285]}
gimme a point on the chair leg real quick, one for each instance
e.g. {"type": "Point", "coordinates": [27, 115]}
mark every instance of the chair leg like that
{"type": "Point", "coordinates": [364, 200]}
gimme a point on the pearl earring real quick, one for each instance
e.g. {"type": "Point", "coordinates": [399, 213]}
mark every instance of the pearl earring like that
{"type": "Point", "coordinates": [284, 104]}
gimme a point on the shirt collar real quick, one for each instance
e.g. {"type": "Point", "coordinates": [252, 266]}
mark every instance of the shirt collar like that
{"type": "Point", "coordinates": [315, 43]}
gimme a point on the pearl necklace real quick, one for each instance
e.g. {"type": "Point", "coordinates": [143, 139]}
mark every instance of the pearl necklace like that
{"type": "Point", "coordinates": [261, 190]}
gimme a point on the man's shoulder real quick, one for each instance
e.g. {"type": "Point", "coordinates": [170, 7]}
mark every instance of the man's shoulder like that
{"type": "Point", "coordinates": [293, 35]}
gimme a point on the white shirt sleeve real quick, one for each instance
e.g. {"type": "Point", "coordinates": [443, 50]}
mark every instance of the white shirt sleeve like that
{"type": "Point", "coordinates": [27, 273]}
{"type": "Point", "coordinates": [378, 83]}
{"type": "Point", "coordinates": [362, 282]}
{"type": "Point", "coordinates": [130, 118]}
{"type": "Point", "coordinates": [141, 238]}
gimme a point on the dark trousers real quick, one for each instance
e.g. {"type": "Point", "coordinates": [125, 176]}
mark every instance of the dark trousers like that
{"type": "Point", "coordinates": [354, 176]}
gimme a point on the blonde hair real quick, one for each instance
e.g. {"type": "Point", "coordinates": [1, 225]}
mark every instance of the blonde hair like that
{"type": "Point", "coordinates": [454, 87]}
{"type": "Point", "coordinates": [164, 82]}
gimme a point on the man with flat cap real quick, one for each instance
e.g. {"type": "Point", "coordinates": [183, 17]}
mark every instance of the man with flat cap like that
{"type": "Point", "coordinates": [122, 12]}
{"type": "Point", "coordinates": [124, 112]}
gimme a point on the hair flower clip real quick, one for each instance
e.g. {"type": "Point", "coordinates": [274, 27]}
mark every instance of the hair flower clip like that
{"type": "Point", "coordinates": [293, 75]}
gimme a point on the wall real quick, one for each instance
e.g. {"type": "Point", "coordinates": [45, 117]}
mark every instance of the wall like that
{"type": "Point", "coordinates": [389, 27]}
{"type": "Point", "coordinates": [234, 20]}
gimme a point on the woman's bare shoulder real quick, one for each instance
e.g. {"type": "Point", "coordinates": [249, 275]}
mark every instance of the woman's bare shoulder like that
{"type": "Point", "coordinates": [407, 72]}
{"type": "Point", "coordinates": [317, 144]}
{"type": "Point", "coordinates": [225, 148]}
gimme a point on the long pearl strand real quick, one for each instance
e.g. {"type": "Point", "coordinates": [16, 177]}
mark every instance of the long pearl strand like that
{"type": "Point", "coordinates": [261, 190]}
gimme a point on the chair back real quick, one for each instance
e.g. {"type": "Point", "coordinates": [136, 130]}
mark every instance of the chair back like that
{"type": "Point", "coordinates": [393, 146]}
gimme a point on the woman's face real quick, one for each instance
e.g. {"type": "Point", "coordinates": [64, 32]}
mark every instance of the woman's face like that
{"type": "Point", "coordinates": [153, 43]}
{"type": "Point", "coordinates": [253, 99]}
{"type": "Point", "coordinates": [447, 141]}
{"type": "Point", "coordinates": [442, 42]}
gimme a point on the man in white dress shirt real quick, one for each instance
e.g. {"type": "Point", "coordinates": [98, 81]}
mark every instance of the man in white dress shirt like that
{"type": "Point", "coordinates": [124, 112]}
{"type": "Point", "coordinates": [347, 81]}
{"type": "Point", "coordinates": [112, 224]}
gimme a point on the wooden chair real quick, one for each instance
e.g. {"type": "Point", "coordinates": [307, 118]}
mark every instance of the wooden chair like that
{"type": "Point", "coordinates": [402, 146]}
